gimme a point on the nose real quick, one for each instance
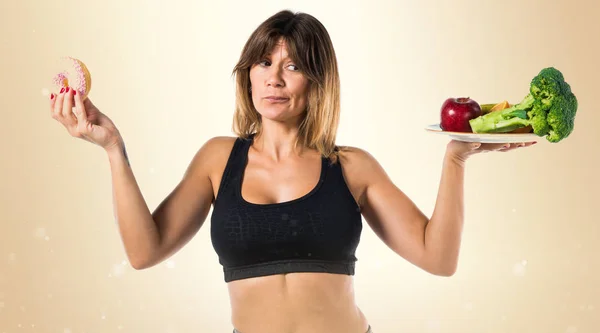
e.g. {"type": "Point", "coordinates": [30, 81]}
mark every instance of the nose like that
{"type": "Point", "coordinates": [274, 78]}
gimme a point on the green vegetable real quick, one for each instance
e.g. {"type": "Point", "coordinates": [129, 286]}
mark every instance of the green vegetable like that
{"type": "Point", "coordinates": [549, 108]}
{"type": "Point", "coordinates": [485, 108]}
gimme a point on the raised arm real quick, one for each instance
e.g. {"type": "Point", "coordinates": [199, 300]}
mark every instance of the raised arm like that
{"type": "Point", "coordinates": [149, 238]}
{"type": "Point", "coordinates": [432, 244]}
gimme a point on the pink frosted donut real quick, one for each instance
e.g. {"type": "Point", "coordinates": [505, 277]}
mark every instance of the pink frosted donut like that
{"type": "Point", "coordinates": [74, 74]}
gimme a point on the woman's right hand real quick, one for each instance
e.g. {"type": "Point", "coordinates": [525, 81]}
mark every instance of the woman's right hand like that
{"type": "Point", "coordinates": [87, 122]}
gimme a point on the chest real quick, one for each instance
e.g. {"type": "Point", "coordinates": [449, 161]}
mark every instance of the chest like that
{"type": "Point", "coordinates": [265, 182]}
{"type": "Point", "coordinates": [266, 211]}
{"type": "Point", "coordinates": [305, 228]}
{"type": "Point", "coordinates": [322, 223]}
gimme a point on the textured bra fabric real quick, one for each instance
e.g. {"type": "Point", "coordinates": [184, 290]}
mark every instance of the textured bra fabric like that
{"type": "Point", "coordinates": [317, 232]}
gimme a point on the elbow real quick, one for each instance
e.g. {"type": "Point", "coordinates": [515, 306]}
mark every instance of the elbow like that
{"type": "Point", "coordinates": [140, 260]}
{"type": "Point", "coordinates": [139, 264]}
{"type": "Point", "coordinates": [448, 269]}
{"type": "Point", "coordinates": [142, 264]}
{"type": "Point", "coordinates": [441, 271]}
{"type": "Point", "coordinates": [445, 272]}
{"type": "Point", "coordinates": [445, 268]}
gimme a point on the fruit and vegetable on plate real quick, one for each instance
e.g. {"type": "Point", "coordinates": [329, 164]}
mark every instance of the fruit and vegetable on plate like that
{"type": "Point", "coordinates": [548, 110]}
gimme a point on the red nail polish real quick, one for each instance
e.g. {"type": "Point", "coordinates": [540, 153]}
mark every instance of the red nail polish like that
{"type": "Point", "coordinates": [74, 92]}
{"type": "Point", "coordinates": [62, 90]}
{"type": "Point", "coordinates": [66, 91]}
{"type": "Point", "coordinates": [51, 96]}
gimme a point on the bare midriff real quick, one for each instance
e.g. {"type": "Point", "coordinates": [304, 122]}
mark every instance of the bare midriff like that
{"type": "Point", "coordinates": [296, 303]}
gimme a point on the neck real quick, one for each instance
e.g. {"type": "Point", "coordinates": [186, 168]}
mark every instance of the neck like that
{"type": "Point", "coordinates": [277, 140]}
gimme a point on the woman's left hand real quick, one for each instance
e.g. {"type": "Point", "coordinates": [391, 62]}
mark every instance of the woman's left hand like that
{"type": "Point", "coordinates": [461, 151]}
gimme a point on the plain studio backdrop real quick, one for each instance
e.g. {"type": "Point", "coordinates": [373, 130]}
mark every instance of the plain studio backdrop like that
{"type": "Point", "coordinates": [162, 71]}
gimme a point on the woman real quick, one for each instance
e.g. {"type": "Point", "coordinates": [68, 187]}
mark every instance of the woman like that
{"type": "Point", "coordinates": [287, 201]}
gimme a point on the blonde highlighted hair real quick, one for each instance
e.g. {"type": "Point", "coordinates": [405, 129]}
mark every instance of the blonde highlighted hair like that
{"type": "Point", "coordinates": [310, 47]}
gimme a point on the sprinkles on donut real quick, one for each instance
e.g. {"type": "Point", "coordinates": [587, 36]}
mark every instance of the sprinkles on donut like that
{"type": "Point", "coordinates": [74, 74]}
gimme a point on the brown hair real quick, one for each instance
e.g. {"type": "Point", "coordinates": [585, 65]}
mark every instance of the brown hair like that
{"type": "Point", "coordinates": [310, 47]}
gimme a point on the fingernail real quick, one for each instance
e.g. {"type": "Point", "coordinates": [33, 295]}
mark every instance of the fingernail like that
{"type": "Point", "coordinates": [506, 146]}
{"type": "Point", "coordinates": [52, 96]}
{"type": "Point", "coordinates": [534, 142]}
{"type": "Point", "coordinates": [74, 92]}
{"type": "Point", "coordinates": [62, 90]}
{"type": "Point", "coordinates": [66, 91]}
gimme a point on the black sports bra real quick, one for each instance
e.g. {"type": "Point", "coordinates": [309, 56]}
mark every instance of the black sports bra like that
{"type": "Point", "coordinates": [318, 232]}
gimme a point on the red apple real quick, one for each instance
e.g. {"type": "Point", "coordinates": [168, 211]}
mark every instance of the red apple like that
{"type": "Point", "coordinates": [456, 113]}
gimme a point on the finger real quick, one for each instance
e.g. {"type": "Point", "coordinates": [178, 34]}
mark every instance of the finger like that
{"type": "Point", "coordinates": [83, 125]}
{"type": "Point", "coordinates": [87, 103]}
{"type": "Point", "coordinates": [494, 146]}
{"type": "Point", "coordinates": [503, 146]}
{"type": "Point", "coordinates": [474, 145]}
{"type": "Point", "coordinates": [67, 110]}
{"type": "Point", "coordinates": [522, 144]}
{"type": "Point", "coordinates": [52, 100]}
{"type": "Point", "coordinates": [58, 103]}
{"type": "Point", "coordinates": [519, 145]}
{"type": "Point", "coordinates": [510, 147]}
{"type": "Point", "coordinates": [80, 112]}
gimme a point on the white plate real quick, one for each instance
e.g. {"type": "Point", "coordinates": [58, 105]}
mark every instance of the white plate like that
{"type": "Point", "coordinates": [485, 138]}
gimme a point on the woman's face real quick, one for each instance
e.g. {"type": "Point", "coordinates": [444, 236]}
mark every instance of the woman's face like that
{"type": "Point", "coordinates": [279, 89]}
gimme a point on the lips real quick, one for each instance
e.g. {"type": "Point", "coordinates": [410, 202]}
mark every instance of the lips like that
{"type": "Point", "coordinates": [276, 100]}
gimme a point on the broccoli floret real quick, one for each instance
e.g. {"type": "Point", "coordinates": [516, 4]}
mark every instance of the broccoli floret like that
{"type": "Point", "coordinates": [538, 119]}
{"type": "Point", "coordinates": [561, 117]}
{"type": "Point", "coordinates": [549, 108]}
{"type": "Point", "coordinates": [546, 85]}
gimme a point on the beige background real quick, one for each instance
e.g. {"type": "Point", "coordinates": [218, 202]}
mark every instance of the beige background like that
{"type": "Point", "coordinates": [529, 260]}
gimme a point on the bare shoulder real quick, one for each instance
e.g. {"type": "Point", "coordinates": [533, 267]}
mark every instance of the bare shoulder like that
{"type": "Point", "coordinates": [217, 147]}
{"type": "Point", "coordinates": [210, 160]}
{"type": "Point", "coordinates": [355, 157]}
{"type": "Point", "coordinates": [361, 169]}
{"type": "Point", "coordinates": [212, 153]}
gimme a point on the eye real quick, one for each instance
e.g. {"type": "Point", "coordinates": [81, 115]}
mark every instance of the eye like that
{"type": "Point", "coordinates": [295, 68]}
{"type": "Point", "coordinates": [264, 63]}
